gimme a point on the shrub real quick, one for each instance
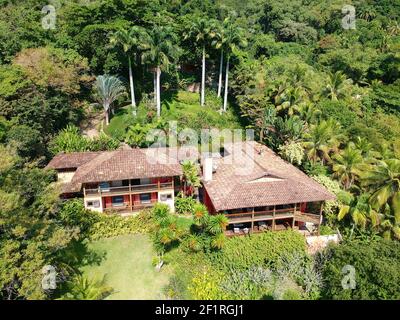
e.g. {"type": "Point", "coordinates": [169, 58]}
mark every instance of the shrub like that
{"type": "Point", "coordinates": [377, 270]}
{"type": "Point", "coordinates": [70, 140]}
{"type": "Point", "coordinates": [115, 225]}
{"type": "Point", "coordinates": [257, 250]}
{"type": "Point", "coordinates": [184, 205]}
{"type": "Point", "coordinates": [94, 225]}
{"type": "Point", "coordinates": [205, 285]}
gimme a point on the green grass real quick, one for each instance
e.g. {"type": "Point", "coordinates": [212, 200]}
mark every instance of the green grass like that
{"type": "Point", "coordinates": [127, 265]}
{"type": "Point", "coordinates": [119, 123]}
{"type": "Point", "coordinates": [180, 106]}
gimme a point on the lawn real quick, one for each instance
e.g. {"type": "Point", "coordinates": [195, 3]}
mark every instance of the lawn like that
{"type": "Point", "coordinates": [180, 106]}
{"type": "Point", "coordinates": [128, 268]}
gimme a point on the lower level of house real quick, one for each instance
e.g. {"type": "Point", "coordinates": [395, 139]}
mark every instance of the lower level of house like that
{"type": "Point", "coordinates": [305, 217]}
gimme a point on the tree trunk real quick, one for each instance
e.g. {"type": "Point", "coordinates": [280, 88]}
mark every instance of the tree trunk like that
{"type": "Point", "coordinates": [155, 88]}
{"type": "Point", "coordinates": [203, 75]}
{"type": "Point", "coordinates": [158, 92]}
{"type": "Point", "coordinates": [133, 102]}
{"type": "Point", "coordinates": [226, 84]}
{"type": "Point", "coordinates": [220, 73]}
{"type": "Point", "coordinates": [106, 117]}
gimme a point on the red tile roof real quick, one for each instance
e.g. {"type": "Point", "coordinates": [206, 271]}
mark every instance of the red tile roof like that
{"type": "Point", "coordinates": [114, 165]}
{"type": "Point", "coordinates": [259, 178]}
{"type": "Point", "coordinates": [71, 160]}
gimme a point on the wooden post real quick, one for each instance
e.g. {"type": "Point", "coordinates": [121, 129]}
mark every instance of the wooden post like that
{"type": "Point", "coordinates": [130, 194]}
{"type": "Point", "coordinates": [158, 182]}
{"type": "Point", "coordinates": [294, 214]}
{"type": "Point", "coordinates": [84, 191]}
{"type": "Point", "coordinates": [252, 220]}
{"type": "Point", "coordinates": [320, 216]}
{"type": "Point", "coordinates": [273, 219]}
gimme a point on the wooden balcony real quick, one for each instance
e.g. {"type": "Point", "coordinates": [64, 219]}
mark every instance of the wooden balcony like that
{"type": "Point", "coordinates": [127, 207]}
{"type": "Point", "coordinates": [132, 189]}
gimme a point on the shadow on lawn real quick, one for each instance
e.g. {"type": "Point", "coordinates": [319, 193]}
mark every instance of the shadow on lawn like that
{"type": "Point", "coordinates": [167, 97]}
{"type": "Point", "coordinates": [79, 255]}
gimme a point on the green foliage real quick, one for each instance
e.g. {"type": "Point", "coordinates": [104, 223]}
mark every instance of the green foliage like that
{"type": "Point", "coordinates": [292, 152]}
{"type": "Point", "coordinates": [184, 205]}
{"type": "Point", "coordinates": [241, 253]}
{"type": "Point", "coordinates": [31, 236]}
{"type": "Point", "coordinates": [26, 140]}
{"type": "Point", "coordinates": [70, 140]}
{"type": "Point", "coordinates": [377, 271]}
{"type": "Point", "coordinates": [94, 225]}
{"type": "Point", "coordinates": [204, 285]}
{"type": "Point", "coordinates": [83, 288]}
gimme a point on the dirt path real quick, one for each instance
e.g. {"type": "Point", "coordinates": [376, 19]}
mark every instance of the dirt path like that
{"type": "Point", "coordinates": [90, 126]}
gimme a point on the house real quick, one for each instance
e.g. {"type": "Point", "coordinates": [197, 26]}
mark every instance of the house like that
{"type": "Point", "coordinates": [259, 190]}
{"type": "Point", "coordinates": [255, 188]}
{"type": "Point", "coordinates": [121, 181]}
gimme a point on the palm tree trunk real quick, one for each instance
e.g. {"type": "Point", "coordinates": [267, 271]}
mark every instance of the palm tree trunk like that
{"type": "Point", "coordinates": [226, 84]}
{"type": "Point", "coordinates": [220, 73]}
{"type": "Point", "coordinates": [155, 88]}
{"type": "Point", "coordinates": [132, 86]}
{"type": "Point", "coordinates": [106, 116]}
{"type": "Point", "coordinates": [158, 92]}
{"type": "Point", "coordinates": [203, 75]}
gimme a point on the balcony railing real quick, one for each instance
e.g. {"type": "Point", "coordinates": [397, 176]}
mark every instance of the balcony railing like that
{"type": "Point", "coordinates": [126, 207]}
{"type": "Point", "coordinates": [271, 215]}
{"type": "Point", "coordinates": [129, 189]}
{"type": "Point", "coordinates": [260, 215]}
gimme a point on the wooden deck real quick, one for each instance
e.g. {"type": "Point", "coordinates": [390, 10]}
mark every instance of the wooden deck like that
{"type": "Point", "coordinates": [307, 217]}
{"type": "Point", "coordinates": [278, 227]}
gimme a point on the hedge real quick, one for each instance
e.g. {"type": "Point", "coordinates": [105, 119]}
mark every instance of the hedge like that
{"type": "Point", "coordinates": [264, 250]}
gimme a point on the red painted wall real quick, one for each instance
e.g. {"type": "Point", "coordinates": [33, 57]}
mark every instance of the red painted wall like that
{"type": "Point", "coordinates": [208, 202]}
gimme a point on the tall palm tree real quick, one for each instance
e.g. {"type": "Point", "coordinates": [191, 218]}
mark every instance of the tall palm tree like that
{"type": "Point", "coordinates": [383, 179]}
{"type": "Point", "coordinates": [162, 50]}
{"type": "Point", "coordinates": [346, 165]}
{"type": "Point", "coordinates": [108, 89]}
{"type": "Point", "coordinates": [321, 140]}
{"type": "Point", "coordinates": [219, 42]}
{"type": "Point", "coordinates": [336, 85]}
{"type": "Point", "coordinates": [234, 37]}
{"type": "Point", "coordinates": [132, 41]}
{"type": "Point", "coordinates": [202, 29]}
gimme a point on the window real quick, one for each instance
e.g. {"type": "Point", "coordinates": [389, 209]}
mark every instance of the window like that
{"type": "Point", "coordinates": [165, 196]}
{"type": "Point", "coordinates": [93, 204]}
{"type": "Point", "coordinates": [118, 201]}
{"type": "Point", "coordinates": [145, 181]}
{"type": "Point", "coordinates": [145, 198]}
{"type": "Point", "coordinates": [104, 186]}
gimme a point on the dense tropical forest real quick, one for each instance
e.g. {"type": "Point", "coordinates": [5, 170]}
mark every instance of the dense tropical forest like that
{"type": "Point", "coordinates": [97, 74]}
